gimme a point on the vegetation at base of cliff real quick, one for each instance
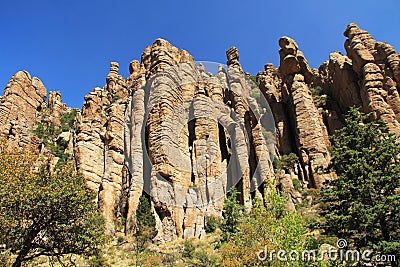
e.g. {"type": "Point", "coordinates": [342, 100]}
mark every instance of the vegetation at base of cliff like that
{"type": "Point", "coordinates": [212, 223]}
{"type": "Point", "coordinates": [145, 227]}
{"type": "Point", "coordinates": [145, 224]}
{"type": "Point", "coordinates": [363, 203]}
{"type": "Point", "coordinates": [46, 213]}
{"type": "Point", "coordinates": [268, 226]}
{"type": "Point", "coordinates": [232, 214]}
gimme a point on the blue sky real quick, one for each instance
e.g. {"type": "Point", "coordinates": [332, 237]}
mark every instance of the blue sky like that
{"type": "Point", "coordinates": [69, 44]}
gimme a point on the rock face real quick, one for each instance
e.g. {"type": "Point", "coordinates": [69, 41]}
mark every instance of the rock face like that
{"type": "Point", "coordinates": [99, 145]}
{"type": "Point", "coordinates": [23, 106]}
{"type": "Point", "coordinates": [184, 136]}
{"type": "Point", "coordinates": [189, 119]}
{"type": "Point", "coordinates": [23, 100]}
{"type": "Point", "coordinates": [189, 136]}
{"type": "Point", "coordinates": [300, 124]}
{"type": "Point", "coordinates": [368, 77]}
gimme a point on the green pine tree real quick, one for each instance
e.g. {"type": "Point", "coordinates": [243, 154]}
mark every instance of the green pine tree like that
{"type": "Point", "coordinates": [363, 203]}
{"type": "Point", "coordinates": [145, 226]}
{"type": "Point", "coordinates": [232, 213]}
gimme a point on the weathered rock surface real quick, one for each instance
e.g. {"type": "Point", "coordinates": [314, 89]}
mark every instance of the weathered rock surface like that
{"type": "Point", "coordinates": [367, 78]}
{"type": "Point", "coordinates": [188, 118]}
{"type": "Point", "coordinates": [23, 100]}
{"type": "Point", "coordinates": [299, 123]}
{"type": "Point", "coordinates": [23, 106]}
{"type": "Point", "coordinates": [99, 145]}
{"type": "Point", "coordinates": [184, 136]}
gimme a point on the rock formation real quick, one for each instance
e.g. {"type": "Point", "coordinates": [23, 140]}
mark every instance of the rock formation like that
{"type": "Point", "coordinates": [177, 145]}
{"type": "Point", "coordinates": [23, 106]}
{"type": "Point", "coordinates": [23, 100]}
{"type": "Point", "coordinates": [300, 125]}
{"type": "Point", "coordinates": [184, 136]}
{"type": "Point", "coordinates": [367, 77]}
{"type": "Point", "coordinates": [187, 120]}
{"type": "Point", "coordinates": [99, 145]}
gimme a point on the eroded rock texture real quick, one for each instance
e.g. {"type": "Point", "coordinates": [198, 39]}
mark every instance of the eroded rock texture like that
{"type": "Point", "coordinates": [189, 136]}
{"type": "Point", "coordinates": [183, 136]}
{"type": "Point", "coordinates": [300, 124]}
{"type": "Point", "coordinates": [20, 108]}
{"type": "Point", "coordinates": [367, 77]}
{"type": "Point", "coordinates": [99, 145]}
{"type": "Point", "coordinates": [189, 119]}
{"type": "Point", "coordinates": [23, 107]}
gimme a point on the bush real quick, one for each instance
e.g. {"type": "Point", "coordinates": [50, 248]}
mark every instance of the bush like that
{"type": "Point", "coordinates": [270, 225]}
{"type": "Point", "coordinates": [286, 162]}
{"type": "Point", "coordinates": [212, 223]}
{"type": "Point", "coordinates": [188, 249]}
{"type": "Point", "coordinates": [363, 204]}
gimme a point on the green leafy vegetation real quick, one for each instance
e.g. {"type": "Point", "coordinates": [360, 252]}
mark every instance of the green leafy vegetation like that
{"type": "Point", "coordinates": [254, 80]}
{"type": "Point", "coordinates": [45, 213]}
{"type": "Point", "coordinates": [115, 98]}
{"type": "Point", "coordinates": [269, 225]}
{"type": "Point", "coordinates": [320, 99]}
{"type": "Point", "coordinates": [286, 162]}
{"type": "Point", "coordinates": [145, 226]}
{"type": "Point", "coordinates": [67, 121]}
{"type": "Point", "coordinates": [143, 214]}
{"type": "Point", "coordinates": [232, 213]}
{"type": "Point", "coordinates": [212, 223]}
{"type": "Point", "coordinates": [363, 203]}
{"type": "Point", "coordinates": [49, 134]}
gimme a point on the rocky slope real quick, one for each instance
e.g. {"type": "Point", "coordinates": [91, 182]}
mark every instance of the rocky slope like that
{"type": "Point", "coordinates": [183, 136]}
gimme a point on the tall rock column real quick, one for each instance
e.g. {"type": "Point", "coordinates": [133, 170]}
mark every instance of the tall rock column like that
{"type": "Point", "coordinates": [133, 144]}
{"type": "Point", "coordinates": [200, 137]}
{"type": "Point", "coordinates": [115, 176]}
{"type": "Point", "coordinates": [377, 66]}
{"type": "Point", "coordinates": [23, 100]}
{"type": "Point", "coordinates": [99, 145]}
{"type": "Point", "coordinates": [311, 134]}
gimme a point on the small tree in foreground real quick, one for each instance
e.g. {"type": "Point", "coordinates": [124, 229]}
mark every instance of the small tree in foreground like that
{"type": "Point", "coordinates": [363, 203]}
{"type": "Point", "coordinates": [266, 228]}
{"type": "Point", "coordinates": [232, 213]}
{"type": "Point", "coordinates": [145, 226]}
{"type": "Point", "coordinates": [46, 214]}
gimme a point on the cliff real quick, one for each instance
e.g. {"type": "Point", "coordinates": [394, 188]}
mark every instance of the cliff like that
{"type": "Point", "coordinates": [183, 135]}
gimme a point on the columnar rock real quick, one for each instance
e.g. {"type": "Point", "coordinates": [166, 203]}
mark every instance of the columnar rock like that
{"type": "Point", "coordinates": [310, 132]}
{"type": "Point", "coordinates": [184, 136]}
{"type": "Point", "coordinates": [277, 96]}
{"type": "Point", "coordinates": [233, 58]}
{"type": "Point", "coordinates": [99, 145]}
{"type": "Point", "coordinates": [20, 108]}
{"type": "Point", "coordinates": [292, 60]}
{"type": "Point", "coordinates": [340, 81]}
{"type": "Point", "coordinates": [367, 77]}
{"type": "Point", "coordinates": [377, 65]}
{"type": "Point", "coordinates": [195, 129]}
{"type": "Point", "coordinates": [56, 107]}
{"type": "Point", "coordinates": [134, 143]}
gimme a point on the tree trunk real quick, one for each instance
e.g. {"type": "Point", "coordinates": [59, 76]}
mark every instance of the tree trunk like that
{"type": "Point", "coordinates": [18, 260]}
{"type": "Point", "coordinates": [25, 248]}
